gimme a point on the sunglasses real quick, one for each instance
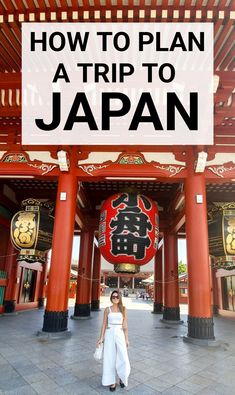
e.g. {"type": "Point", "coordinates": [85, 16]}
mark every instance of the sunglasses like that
{"type": "Point", "coordinates": [115, 297]}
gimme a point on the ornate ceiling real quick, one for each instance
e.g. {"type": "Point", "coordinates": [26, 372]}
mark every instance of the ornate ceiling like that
{"type": "Point", "coordinates": [96, 192]}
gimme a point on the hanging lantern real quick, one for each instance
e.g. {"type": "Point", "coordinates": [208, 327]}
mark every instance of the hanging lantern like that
{"type": "Point", "coordinates": [221, 226]}
{"type": "Point", "coordinates": [128, 231]}
{"type": "Point", "coordinates": [31, 230]}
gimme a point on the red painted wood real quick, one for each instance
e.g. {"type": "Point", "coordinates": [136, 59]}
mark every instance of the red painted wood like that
{"type": "Point", "coordinates": [11, 267]}
{"type": "Point", "coordinates": [171, 285]}
{"type": "Point", "coordinates": [58, 285]}
{"type": "Point", "coordinates": [95, 291]}
{"type": "Point", "coordinates": [199, 286]}
{"type": "Point", "coordinates": [84, 268]}
{"type": "Point", "coordinates": [158, 279]}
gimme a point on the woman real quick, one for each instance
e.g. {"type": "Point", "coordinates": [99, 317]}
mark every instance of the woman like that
{"type": "Point", "coordinates": [114, 334]}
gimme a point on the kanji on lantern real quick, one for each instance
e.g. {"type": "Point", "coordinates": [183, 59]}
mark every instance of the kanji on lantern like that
{"type": "Point", "coordinates": [128, 230]}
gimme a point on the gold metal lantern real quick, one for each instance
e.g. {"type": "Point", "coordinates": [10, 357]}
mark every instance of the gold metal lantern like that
{"type": "Point", "coordinates": [31, 230]}
{"type": "Point", "coordinates": [221, 226]}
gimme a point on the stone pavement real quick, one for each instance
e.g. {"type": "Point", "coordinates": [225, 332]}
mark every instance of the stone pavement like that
{"type": "Point", "coordinates": [161, 362]}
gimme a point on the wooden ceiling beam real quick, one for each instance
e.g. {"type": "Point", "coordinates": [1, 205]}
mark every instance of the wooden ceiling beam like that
{"type": "Point", "coordinates": [12, 64]}
{"type": "Point", "coordinates": [228, 132]}
{"type": "Point", "coordinates": [232, 65]}
{"type": "Point", "coordinates": [226, 49]}
{"type": "Point", "coordinates": [178, 222]}
{"type": "Point", "coordinates": [12, 35]}
{"type": "Point", "coordinates": [7, 111]}
{"type": "Point", "coordinates": [220, 196]}
{"type": "Point", "coordinates": [11, 50]}
{"type": "Point", "coordinates": [9, 129]}
{"type": "Point", "coordinates": [15, 29]}
{"type": "Point", "coordinates": [10, 80]}
{"type": "Point", "coordinates": [227, 78]}
{"type": "Point", "coordinates": [228, 58]}
{"type": "Point", "coordinates": [222, 95]}
{"type": "Point", "coordinates": [120, 6]}
{"type": "Point", "coordinates": [218, 149]}
{"type": "Point", "coordinates": [225, 140]}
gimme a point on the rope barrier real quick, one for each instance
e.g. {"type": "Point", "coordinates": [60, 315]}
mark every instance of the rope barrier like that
{"type": "Point", "coordinates": [97, 279]}
{"type": "Point", "coordinates": [155, 281]}
{"type": "Point", "coordinates": [6, 256]}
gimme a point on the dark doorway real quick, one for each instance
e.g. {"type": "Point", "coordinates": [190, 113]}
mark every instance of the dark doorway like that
{"type": "Point", "coordinates": [28, 285]}
{"type": "Point", "coordinates": [228, 292]}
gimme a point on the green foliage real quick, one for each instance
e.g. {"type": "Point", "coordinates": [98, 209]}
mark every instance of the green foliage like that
{"type": "Point", "coordinates": [182, 267]}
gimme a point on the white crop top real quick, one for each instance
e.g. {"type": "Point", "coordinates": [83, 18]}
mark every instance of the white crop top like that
{"type": "Point", "coordinates": [115, 318]}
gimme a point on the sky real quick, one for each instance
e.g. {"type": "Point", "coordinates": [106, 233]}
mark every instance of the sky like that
{"type": "Point", "coordinates": [182, 253]}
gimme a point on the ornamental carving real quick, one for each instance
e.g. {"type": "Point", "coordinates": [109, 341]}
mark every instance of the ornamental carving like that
{"type": "Point", "coordinates": [131, 159]}
{"type": "Point", "coordinates": [15, 158]}
{"type": "Point", "coordinates": [44, 167]}
{"type": "Point", "coordinates": [220, 170]}
{"type": "Point", "coordinates": [171, 169]}
{"type": "Point", "coordinates": [89, 169]}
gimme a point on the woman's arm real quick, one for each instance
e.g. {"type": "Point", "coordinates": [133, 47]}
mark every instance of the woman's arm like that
{"type": "Point", "coordinates": [103, 328]}
{"type": "Point", "coordinates": [125, 326]}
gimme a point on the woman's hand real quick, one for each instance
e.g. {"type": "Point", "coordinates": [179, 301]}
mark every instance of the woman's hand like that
{"type": "Point", "coordinates": [99, 342]}
{"type": "Point", "coordinates": [127, 343]}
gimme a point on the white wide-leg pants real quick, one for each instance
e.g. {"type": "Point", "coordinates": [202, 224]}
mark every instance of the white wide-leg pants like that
{"type": "Point", "coordinates": [115, 359]}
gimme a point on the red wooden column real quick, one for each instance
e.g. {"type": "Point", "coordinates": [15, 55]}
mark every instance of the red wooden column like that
{"type": "Point", "coordinates": [158, 296]}
{"type": "Point", "coordinates": [42, 287]}
{"type": "Point", "coordinates": [171, 311]}
{"type": "Point", "coordinates": [83, 297]}
{"type": "Point", "coordinates": [56, 313]}
{"type": "Point", "coordinates": [200, 321]}
{"type": "Point", "coordinates": [11, 266]}
{"type": "Point", "coordinates": [95, 290]}
{"type": "Point", "coordinates": [215, 291]}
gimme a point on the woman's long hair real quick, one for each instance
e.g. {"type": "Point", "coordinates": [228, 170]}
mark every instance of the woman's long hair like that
{"type": "Point", "coordinates": [120, 305]}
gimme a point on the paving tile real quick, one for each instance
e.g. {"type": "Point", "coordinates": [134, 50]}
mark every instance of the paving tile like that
{"type": "Point", "coordinates": [65, 379]}
{"type": "Point", "coordinates": [86, 373]}
{"type": "Point", "coordinates": [142, 377]}
{"type": "Point", "coordinates": [44, 386]}
{"type": "Point", "coordinates": [159, 362]}
{"type": "Point", "coordinates": [158, 384]}
{"type": "Point", "coordinates": [208, 391]}
{"type": "Point", "coordinates": [27, 370]}
{"type": "Point", "coordinates": [189, 386]}
{"type": "Point", "coordinates": [25, 390]}
{"type": "Point", "coordinates": [172, 378]}
{"type": "Point", "coordinates": [176, 391]}
{"type": "Point", "coordinates": [195, 383]}
{"type": "Point", "coordinates": [222, 389]}
{"type": "Point", "coordinates": [11, 384]}
{"type": "Point", "coordinates": [36, 377]}
{"type": "Point", "coordinates": [142, 389]}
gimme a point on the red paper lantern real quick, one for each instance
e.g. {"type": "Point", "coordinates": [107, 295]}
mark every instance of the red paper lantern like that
{"type": "Point", "coordinates": [128, 230]}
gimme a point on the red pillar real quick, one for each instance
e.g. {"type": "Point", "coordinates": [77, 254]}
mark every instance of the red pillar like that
{"type": "Point", "coordinates": [42, 287]}
{"type": "Point", "coordinates": [171, 309]}
{"type": "Point", "coordinates": [56, 313]}
{"type": "Point", "coordinates": [83, 297]}
{"type": "Point", "coordinates": [11, 266]}
{"type": "Point", "coordinates": [158, 299]}
{"type": "Point", "coordinates": [215, 293]}
{"type": "Point", "coordinates": [200, 321]}
{"type": "Point", "coordinates": [95, 291]}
